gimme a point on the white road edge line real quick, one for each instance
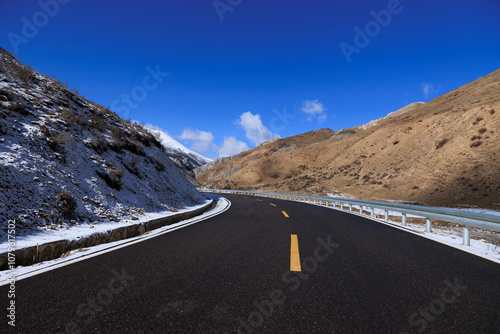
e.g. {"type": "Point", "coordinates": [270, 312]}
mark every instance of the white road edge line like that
{"type": "Point", "coordinates": [112, 247]}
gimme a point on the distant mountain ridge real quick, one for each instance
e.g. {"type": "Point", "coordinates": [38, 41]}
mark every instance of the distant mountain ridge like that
{"type": "Point", "coordinates": [444, 152]}
{"type": "Point", "coordinates": [393, 114]}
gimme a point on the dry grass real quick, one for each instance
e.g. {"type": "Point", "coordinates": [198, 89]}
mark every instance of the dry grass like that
{"type": "Point", "coordinates": [19, 108]}
{"type": "Point", "coordinates": [72, 118]}
{"type": "Point", "coordinates": [67, 203]}
{"type": "Point", "coordinates": [99, 144]}
{"type": "Point", "coordinates": [63, 138]}
{"type": "Point", "coordinates": [98, 122]}
{"type": "Point", "coordinates": [116, 173]}
{"type": "Point", "coordinates": [493, 245]}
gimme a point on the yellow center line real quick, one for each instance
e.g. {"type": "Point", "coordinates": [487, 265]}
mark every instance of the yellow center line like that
{"type": "Point", "coordinates": [285, 214]}
{"type": "Point", "coordinates": [272, 204]}
{"type": "Point", "coordinates": [259, 200]}
{"type": "Point", "coordinates": [294, 254]}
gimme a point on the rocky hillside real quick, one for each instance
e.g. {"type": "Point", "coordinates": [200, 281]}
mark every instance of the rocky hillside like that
{"type": "Point", "coordinates": [65, 159]}
{"type": "Point", "coordinates": [444, 152]}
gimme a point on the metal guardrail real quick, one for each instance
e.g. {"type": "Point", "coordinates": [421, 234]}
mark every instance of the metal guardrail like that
{"type": "Point", "coordinates": [488, 222]}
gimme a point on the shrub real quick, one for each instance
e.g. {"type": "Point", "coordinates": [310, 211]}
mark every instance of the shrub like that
{"type": "Point", "coordinates": [118, 136]}
{"type": "Point", "coordinates": [479, 119]}
{"type": "Point", "coordinates": [71, 117]}
{"type": "Point", "coordinates": [492, 111]}
{"type": "Point", "coordinates": [396, 142]}
{"type": "Point", "coordinates": [98, 122]}
{"type": "Point", "coordinates": [441, 143]}
{"type": "Point", "coordinates": [98, 144]}
{"type": "Point", "coordinates": [67, 203]}
{"type": "Point", "coordinates": [112, 178]}
{"type": "Point", "coordinates": [134, 161]}
{"type": "Point", "coordinates": [6, 95]}
{"type": "Point", "coordinates": [482, 130]}
{"type": "Point", "coordinates": [22, 72]}
{"type": "Point", "coordinates": [476, 144]}
{"type": "Point", "coordinates": [63, 138]}
{"type": "Point", "coordinates": [158, 164]}
{"type": "Point", "coordinates": [132, 165]}
{"type": "Point", "coordinates": [475, 138]}
{"type": "Point", "coordinates": [116, 173]}
{"type": "Point", "coordinates": [45, 131]}
{"type": "Point", "coordinates": [19, 107]}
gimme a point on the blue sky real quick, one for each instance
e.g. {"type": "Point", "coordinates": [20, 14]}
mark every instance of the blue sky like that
{"type": "Point", "coordinates": [244, 71]}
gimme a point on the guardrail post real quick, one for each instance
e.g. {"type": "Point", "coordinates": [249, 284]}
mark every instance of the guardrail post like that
{"type": "Point", "coordinates": [372, 211]}
{"type": "Point", "coordinates": [350, 207]}
{"type": "Point", "coordinates": [466, 235]}
{"type": "Point", "coordinates": [341, 206]}
{"type": "Point", "coordinates": [403, 220]}
{"type": "Point", "coordinates": [386, 215]}
{"type": "Point", "coordinates": [428, 225]}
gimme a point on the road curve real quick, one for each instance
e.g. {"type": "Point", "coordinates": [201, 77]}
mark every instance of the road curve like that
{"type": "Point", "coordinates": [244, 272]}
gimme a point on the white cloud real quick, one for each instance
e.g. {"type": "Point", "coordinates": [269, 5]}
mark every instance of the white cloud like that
{"type": "Point", "coordinates": [231, 146]}
{"type": "Point", "coordinates": [201, 141]}
{"type": "Point", "coordinates": [314, 109]}
{"type": "Point", "coordinates": [254, 129]}
{"type": "Point", "coordinates": [428, 89]}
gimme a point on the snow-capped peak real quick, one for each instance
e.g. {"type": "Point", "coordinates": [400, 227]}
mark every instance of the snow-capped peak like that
{"type": "Point", "coordinates": [172, 144]}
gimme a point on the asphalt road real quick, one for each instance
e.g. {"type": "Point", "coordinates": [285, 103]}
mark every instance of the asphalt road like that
{"type": "Point", "coordinates": [232, 273]}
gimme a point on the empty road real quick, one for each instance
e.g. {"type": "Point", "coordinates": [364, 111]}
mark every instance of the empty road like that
{"type": "Point", "coordinates": [267, 266]}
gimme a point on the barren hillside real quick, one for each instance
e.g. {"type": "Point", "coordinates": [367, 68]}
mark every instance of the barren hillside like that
{"type": "Point", "coordinates": [444, 152]}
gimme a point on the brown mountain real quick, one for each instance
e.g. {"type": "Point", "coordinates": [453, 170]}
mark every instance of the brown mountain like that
{"type": "Point", "coordinates": [443, 152]}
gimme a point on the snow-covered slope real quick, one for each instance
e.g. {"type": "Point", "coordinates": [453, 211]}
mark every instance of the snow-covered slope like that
{"type": "Point", "coordinates": [175, 148]}
{"type": "Point", "coordinates": [65, 160]}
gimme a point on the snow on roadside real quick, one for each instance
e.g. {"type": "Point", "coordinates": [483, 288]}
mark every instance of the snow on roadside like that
{"type": "Point", "coordinates": [479, 244]}
{"type": "Point", "coordinates": [23, 272]}
{"type": "Point", "coordinates": [83, 230]}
